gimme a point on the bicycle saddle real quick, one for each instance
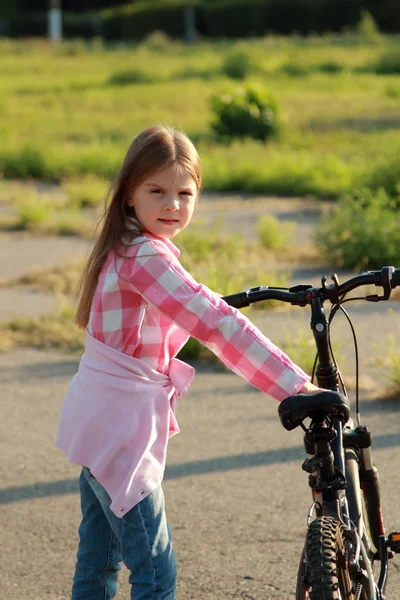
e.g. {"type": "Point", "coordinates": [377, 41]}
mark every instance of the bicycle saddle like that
{"type": "Point", "coordinates": [294, 409]}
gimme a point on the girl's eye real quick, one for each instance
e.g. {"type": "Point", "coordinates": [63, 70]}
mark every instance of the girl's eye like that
{"type": "Point", "coordinates": [185, 193]}
{"type": "Point", "coordinates": [156, 191]}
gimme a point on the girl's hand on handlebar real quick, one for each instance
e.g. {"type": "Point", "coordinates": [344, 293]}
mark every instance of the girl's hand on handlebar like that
{"type": "Point", "coordinates": [309, 388]}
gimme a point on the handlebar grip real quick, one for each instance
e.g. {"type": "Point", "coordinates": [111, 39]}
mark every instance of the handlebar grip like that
{"type": "Point", "coordinates": [237, 300]}
{"type": "Point", "coordinates": [395, 281]}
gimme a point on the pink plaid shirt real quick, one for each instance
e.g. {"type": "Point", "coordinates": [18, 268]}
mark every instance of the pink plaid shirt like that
{"type": "Point", "coordinates": [119, 410]}
{"type": "Point", "coordinates": [146, 305]}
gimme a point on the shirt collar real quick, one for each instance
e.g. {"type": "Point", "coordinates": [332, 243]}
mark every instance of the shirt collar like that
{"type": "Point", "coordinates": [175, 251]}
{"type": "Point", "coordinates": [133, 225]}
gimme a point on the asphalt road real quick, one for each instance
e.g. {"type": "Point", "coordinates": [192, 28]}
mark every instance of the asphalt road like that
{"type": "Point", "coordinates": [236, 497]}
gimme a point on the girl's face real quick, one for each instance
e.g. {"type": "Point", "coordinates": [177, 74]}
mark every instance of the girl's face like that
{"type": "Point", "coordinates": [165, 201]}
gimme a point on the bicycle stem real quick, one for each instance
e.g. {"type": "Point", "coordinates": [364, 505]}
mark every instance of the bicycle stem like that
{"type": "Point", "coordinates": [327, 373]}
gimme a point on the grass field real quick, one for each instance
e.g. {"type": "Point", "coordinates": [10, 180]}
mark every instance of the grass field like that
{"type": "Point", "coordinates": [73, 110]}
{"type": "Point", "coordinates": [68, 114]}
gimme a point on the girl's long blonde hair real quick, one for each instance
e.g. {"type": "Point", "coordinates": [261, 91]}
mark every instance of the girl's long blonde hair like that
{"type": "Point", "coordinates": [157, 147]}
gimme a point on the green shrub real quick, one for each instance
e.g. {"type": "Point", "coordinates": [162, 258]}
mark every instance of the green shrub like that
{"type": "Point", "coordinates": [32, 215]}
{"type": "Point", "coordinates": [296, 68]}
{"type": "Point", "coordinates": [26, 161]}
{"type": "Point", "coordinates": [330, 67]}
{"type": "Point", "coordinates": [388, 63]}
{"type": "Point", "coordinates": [129, 77]}
{"type": "Point", "coordinates": [299, 68]}
{"type": "Point", "coordinates": [362, 231]}
{"type": "Point", "coordinates": [248, 111]}
{"type": "Point", "coordinates": [392, 91]}
{"type": "Point", "coordinates": [238, 65]}
{"type": "Point", "coordinates": [386, 175]}
{"type": "Point", "coordinates": [272, 233]}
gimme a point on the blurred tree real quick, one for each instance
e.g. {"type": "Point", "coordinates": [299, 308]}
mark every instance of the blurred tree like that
{"type": "Point", "coordinates": [7, 7]}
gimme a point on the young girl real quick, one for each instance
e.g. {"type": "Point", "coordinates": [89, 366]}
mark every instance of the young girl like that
{"type": "Point", "coordinates": [139, 307]}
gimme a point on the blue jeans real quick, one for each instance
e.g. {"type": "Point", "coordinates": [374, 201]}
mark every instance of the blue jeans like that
{"type": "Point", "coordinates": [141, 539]}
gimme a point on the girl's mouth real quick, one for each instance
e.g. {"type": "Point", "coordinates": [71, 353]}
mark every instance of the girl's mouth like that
{"type": "Point", "coordinates": [168, 221]}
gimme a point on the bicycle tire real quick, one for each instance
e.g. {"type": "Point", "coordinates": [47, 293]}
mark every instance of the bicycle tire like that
{"type": "Point", "coordinates": [327, 576]}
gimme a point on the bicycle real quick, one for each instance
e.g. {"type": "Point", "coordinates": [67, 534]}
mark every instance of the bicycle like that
{"type": "Point", "coordinates": [346, 538]}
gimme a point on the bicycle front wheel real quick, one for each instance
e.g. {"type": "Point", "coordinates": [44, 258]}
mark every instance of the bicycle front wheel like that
{"type": "Point", "coordinates": [324, 575]}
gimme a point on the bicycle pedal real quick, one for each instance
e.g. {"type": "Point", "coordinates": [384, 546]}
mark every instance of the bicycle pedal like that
{"type": "Point", "coordinates": [394, 542]}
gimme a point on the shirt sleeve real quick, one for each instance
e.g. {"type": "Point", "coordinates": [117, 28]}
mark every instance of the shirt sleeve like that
{"type": "Point", "coordinates": [157, 275]}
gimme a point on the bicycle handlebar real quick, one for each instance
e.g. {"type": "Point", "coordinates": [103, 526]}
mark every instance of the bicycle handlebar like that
{"type": "Point", "coordinates": [388, 278]}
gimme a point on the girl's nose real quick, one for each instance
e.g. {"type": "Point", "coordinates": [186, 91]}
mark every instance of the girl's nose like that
{"type": "Point", "coordinates": [172, 204]}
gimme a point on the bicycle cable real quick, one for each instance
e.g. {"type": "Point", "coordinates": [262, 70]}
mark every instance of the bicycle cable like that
{"type": "Point", "coordinates": [314, 367]}
{"type": "Point", "coordinates": [334, 310]}
{"type": "Point", "coordinates": [357, 364]}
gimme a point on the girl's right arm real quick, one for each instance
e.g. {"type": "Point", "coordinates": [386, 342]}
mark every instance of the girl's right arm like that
{"type": "Point", "coordinates": [162, 281]}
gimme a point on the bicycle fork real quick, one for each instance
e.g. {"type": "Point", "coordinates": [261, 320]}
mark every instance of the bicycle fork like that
{"type": "Point", "coordinates": [358, 441]}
